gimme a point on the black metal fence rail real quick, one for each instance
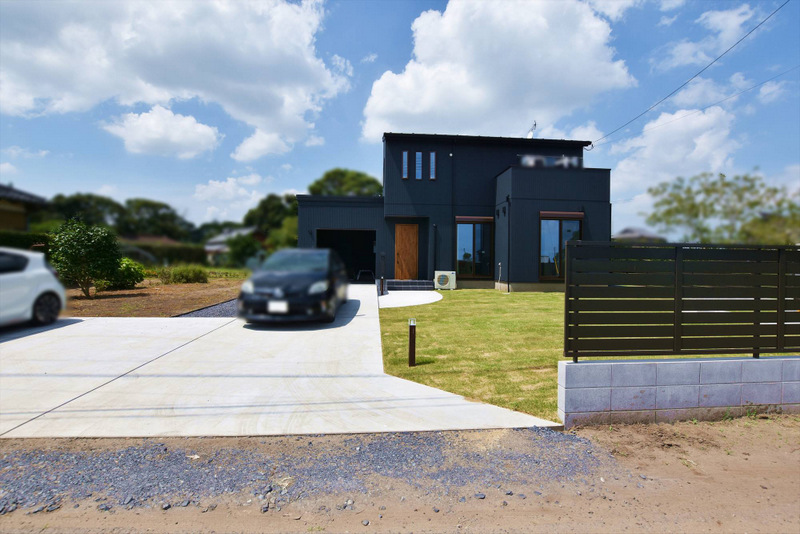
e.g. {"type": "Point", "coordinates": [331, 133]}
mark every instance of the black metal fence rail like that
{"type": "Point", "coordinates": [670, 299]}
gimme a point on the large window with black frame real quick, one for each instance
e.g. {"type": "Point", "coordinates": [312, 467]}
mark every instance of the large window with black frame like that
{"type": "Point", "coordinates": [555, 229]}
{"type": "Point", "coordinates": [474, 247]}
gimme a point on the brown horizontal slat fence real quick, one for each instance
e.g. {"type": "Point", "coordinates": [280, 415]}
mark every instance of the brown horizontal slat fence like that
{"type": "Point", "coordinates": [675, 298]}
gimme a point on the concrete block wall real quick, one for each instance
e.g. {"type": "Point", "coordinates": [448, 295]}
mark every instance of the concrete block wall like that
{"type": "Point", "coordinates": [652, 391]}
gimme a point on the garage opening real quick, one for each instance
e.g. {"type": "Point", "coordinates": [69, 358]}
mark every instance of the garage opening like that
{"type": "Point", "coordinates": [357, 249]}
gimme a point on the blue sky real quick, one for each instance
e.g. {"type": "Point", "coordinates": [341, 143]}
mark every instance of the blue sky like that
{"type": "Point", "coordinates": [209, 106]}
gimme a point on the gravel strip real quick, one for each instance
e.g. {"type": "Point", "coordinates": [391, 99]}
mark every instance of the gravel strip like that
{"type": "Point", "coordinates": [154, 474]}
{"type": "Point", "coordinates": [224, 309]}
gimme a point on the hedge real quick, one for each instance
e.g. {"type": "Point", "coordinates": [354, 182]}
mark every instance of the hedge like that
{"type": "Point", "coordinates": [163, 253]}
{"type": "Point", "coordinates": [25, 240]}
{"type": "Point", "coordinates": [173, 253]}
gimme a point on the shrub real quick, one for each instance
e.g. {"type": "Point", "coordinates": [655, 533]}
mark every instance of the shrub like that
{"type": "Point", "coordinates": [173, 253]}
{"type": "Point", "coordinates": [183, 274]}
{"type": "Point", "coordinates": [83, 254]}
{"type": "Point", "coordinates": [129, 273]}
{"type": "Point", "coordinates": [164, 274]}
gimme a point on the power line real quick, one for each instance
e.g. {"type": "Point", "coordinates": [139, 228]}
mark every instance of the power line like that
{"type": "Point", "coordinates": [696, 111]}
{"type": "Point", "coordinates": [695, 76]}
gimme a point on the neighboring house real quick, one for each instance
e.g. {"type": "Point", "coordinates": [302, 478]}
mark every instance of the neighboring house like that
{"type": "Point", "coordinates": [16, 207]}
{"type": "Point", "coordinates": [217, 247]}
{"type": "Point", "coordinates": [638, 235]}
{"type": "Point", "coordinates": [495, 210]}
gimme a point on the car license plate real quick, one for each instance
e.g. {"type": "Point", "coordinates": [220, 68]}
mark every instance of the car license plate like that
{"type": "Point", "coordinates": [277, 306]}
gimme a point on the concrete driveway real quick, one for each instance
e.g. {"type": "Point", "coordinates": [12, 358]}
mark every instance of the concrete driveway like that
{"type": "Point", "coordinates": [112, 377]}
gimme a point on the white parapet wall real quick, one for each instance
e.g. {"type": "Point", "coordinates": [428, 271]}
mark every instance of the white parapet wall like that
{"type": "Point", "coordinates": [594, 392]}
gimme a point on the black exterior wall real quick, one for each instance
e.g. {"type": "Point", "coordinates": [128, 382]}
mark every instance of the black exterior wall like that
{"type": "Point", "coordinates": [532, 191]}
{"type": "Point", "coordinates": [473, 177]}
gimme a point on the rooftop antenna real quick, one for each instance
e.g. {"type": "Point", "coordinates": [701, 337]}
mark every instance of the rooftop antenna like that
{"type": "Point", "coordinates": [530, 132]}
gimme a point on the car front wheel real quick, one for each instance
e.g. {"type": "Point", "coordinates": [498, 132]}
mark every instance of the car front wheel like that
{"type": "Point", "coordinates": [330, 313]}
{"type": "Point", "coordinates": [46, 309]}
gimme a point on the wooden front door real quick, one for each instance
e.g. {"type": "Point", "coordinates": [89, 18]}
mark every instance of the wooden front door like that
{"type": "Point", "coordinates": [405, 251]}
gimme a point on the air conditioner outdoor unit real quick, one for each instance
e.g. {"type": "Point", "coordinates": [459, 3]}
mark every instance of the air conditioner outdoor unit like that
{"type": "Point", "coordinates": [444, 280]}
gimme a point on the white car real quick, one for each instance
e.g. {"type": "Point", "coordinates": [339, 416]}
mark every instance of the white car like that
{"type": "Point", "coordinates": [29, 288]}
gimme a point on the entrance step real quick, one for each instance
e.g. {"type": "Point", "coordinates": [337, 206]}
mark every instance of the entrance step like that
{"type": "Point", "coordinates": [409, 285]}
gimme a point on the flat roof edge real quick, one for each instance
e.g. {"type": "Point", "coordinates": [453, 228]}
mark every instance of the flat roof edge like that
{"type": "Point", "coordinates": [339, 199]}
{"type": "Point", "coordinates": [483, 138]}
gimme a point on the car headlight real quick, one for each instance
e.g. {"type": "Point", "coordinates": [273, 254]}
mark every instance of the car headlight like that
{"type": "Point", "coordinates": [247, 286]}
{"type": "Point", "coordinates": [318, 287]}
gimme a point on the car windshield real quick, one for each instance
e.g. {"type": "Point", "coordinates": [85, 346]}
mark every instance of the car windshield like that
{"type": "Point", "coordinates": [292, 261]}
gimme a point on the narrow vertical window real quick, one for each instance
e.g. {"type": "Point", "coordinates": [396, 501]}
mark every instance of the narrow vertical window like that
{"type": "Point", "coordinates": [419, 166]}
{"type": "Point", "coordinates": [433, 165]}
{"type": "Point", "coordinates": [405, 164]}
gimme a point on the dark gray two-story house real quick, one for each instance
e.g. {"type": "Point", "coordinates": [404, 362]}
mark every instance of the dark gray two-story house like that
{"type": "Point", "coordinates": [495, 210]}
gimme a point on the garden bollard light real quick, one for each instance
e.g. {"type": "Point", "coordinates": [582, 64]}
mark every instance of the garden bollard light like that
{"type": "Point", "coordinates": [412, 342]}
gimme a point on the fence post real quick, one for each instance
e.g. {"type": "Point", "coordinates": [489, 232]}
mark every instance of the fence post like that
{"type": "Point", "coordinates": [567, 294]}
{"type": "Point", "coordinates": [756, 321]}
{"type": "Point", "coordinates": [678, 305]}
{"type": "Point", "coordinates": [781, 319]}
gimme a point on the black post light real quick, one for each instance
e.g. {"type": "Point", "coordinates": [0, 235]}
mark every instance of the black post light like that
{"type": "Point", "coordinates": [412, 342]}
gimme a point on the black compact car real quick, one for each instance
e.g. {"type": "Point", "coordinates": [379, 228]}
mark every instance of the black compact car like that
{"type": "Point", "coordinates": [295, 285]}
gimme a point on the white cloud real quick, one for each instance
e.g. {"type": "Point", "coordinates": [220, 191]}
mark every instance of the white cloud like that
{"type": "Point", "coordinates": [726, 28]}
{"type": "Point", "coordinates": [19, 152]}
{"type": "Point", "coordinates": [789, 177]}
{"type": "Point", "coordinates": [628, 212]}
{"type": "Point", "coordinates": [369, 58]}
{"type": "Point", "coordinates": [257, 60]}
{"type": "Point", "coordinates": [232, 188]}
{"type": "Point", "coordinates": [702, 92]}
{"type": "Point", "coordinates": [669, 5]}
{"type": "Point", "coordinates": [229, 198]}
{"type": "Point", "coordinates": [315, 140]}
{"type": "Point", "coordinates": [260, 144]}
{"type": "Point", "coordinates": [292, 191]}
{"type": "Point", "coordinates": [107, 190]}
{"type": "Point", "coordinates": [164, 133]}
{"type": "Point", "coordinates": [771, 91]}
{"type": "Point", "coordinates": [666, 149]}
{"type": "Point", "coordinates": [286, 167]}
{"type": "Point", "coordinates": [584, 132]}
{"type": "Point", "coordinates": [667, 21]}
{"type": "Point", "coordinates": [7, 168]}
{"type": "Point", "coordinates": [699, 142]}
{"type": "Point", "coordinates": [490, 68]}
{"type": "Point", "coordinates": [613, 9]}
{"type": "Point", "coordinates": [342, 65]}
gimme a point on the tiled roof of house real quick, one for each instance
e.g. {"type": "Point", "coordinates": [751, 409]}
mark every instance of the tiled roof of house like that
{"type": "Point", "coordinates": [222, 238]}
{"type": "Point", "coordinates": [15, 195]}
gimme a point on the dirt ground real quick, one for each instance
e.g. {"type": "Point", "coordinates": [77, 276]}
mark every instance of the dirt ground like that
{"type": "Point", "coordinates": [152, 299]}
{"type": "Point", "coordinates": [729, 476]}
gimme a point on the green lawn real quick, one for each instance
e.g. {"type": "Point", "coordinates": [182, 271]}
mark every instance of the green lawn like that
{"type": "Point", "coordinates": [486, 345]}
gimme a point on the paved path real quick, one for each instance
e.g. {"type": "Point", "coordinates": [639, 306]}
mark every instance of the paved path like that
{"type": "Point", "coordinates": [399, 299]}
{"type": "Point", "coordinates": [112, 377]}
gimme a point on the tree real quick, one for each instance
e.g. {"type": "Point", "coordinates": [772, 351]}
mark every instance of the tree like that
{"type": "Point", "coordinates": [344, 182]}
{"type": "Point", "coordinates": [718, 209]}
{"type": "Point", "coordinates": [270, 212]}
{"type": "Point", "coordinates": [89, 208]}
{"type": "Point", "coordinates": [241, 248]}
{"type": "Point", "coordinates": [150, 217]}
{"type": "Point", "coordinates": [283, 237]}
{"type": "Point", "coordinates": [83, 254]}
